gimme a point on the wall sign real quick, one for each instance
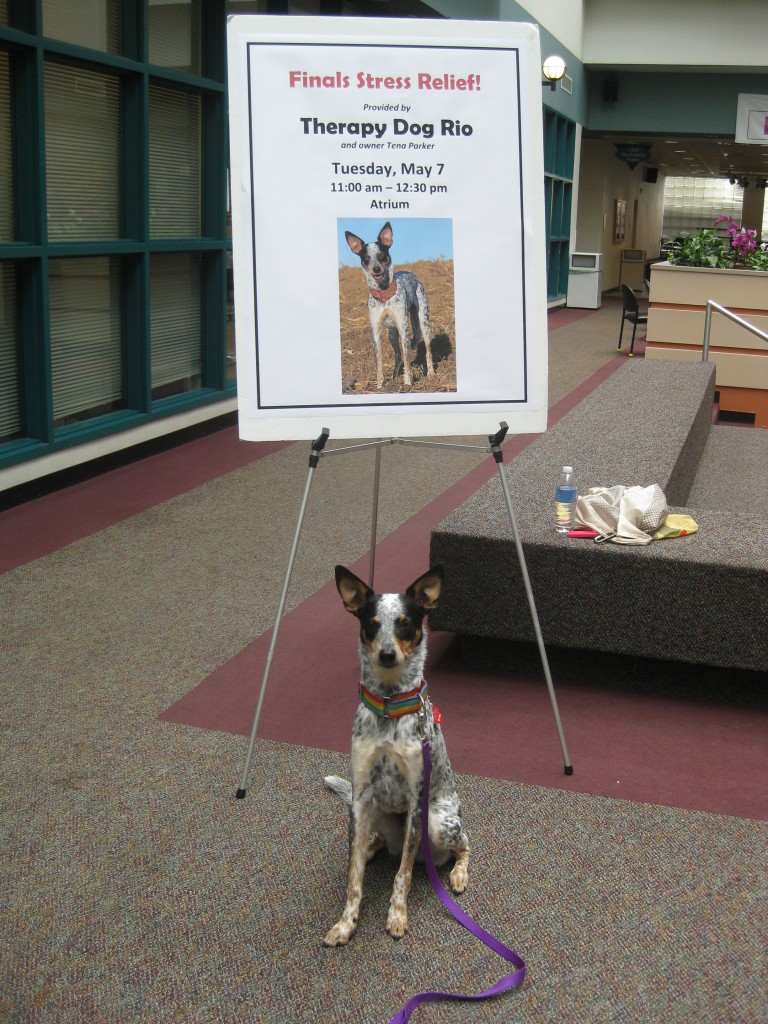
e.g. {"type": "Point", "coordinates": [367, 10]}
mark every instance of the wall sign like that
{"type": "Point", "coordinates": [752, 119]}
{"type": "Point", "coordinates": [632, 153]}
{"type": "Point", "coordinates": [388, 226]}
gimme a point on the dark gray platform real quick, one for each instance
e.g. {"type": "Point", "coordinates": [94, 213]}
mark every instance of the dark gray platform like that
{"type": "Point", "coordinates": [702, 598]}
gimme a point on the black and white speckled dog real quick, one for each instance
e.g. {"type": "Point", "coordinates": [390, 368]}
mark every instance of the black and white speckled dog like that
{"type": "Point", "coordinates": [385, 793]}
{"type": "Point", "coordinates": [396, 298]}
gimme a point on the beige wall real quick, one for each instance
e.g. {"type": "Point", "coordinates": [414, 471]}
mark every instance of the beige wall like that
{"type": "Point", "coordinates": [693, 33]}
{"type": "Point", "coordinates": [564, 20]}
{"type": "Point", "coordinates": [602, 180]}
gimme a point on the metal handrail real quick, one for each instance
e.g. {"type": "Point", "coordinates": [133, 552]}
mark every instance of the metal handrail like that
{"type": "Point", "coordinates": [712, 305]}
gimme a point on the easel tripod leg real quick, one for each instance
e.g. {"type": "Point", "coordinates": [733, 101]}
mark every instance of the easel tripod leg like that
{"type": "Point", "coordinates": [317, 447]}
{"type": "Point", "coordinates": [568, 767]}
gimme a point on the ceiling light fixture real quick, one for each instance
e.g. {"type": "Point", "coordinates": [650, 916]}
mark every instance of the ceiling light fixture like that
{"type": "Point", "coordinates": [553, 70]}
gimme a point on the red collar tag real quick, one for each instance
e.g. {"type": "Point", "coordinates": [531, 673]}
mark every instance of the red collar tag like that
{"type": "Point", "coordinates": [437, 716]}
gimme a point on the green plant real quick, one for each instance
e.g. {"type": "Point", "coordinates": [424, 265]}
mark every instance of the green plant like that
{"type": "Point", "coordinates": [707, 248]}
{"type": "Point", "coordinates": [702, 248]}
{"type": "Point", "coordinates": [758, 260]}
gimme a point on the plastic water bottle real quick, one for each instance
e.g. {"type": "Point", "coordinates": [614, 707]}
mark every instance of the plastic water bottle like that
{"type": "Point", "coordinates": [565, 500]}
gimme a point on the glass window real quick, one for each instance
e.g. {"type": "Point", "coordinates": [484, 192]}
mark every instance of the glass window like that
{"type": "Point", "coordinates": [174, 163]}
{"type": "Point", "coordinates": [174, 34]}
{"type": "Point", "coordinates": [86, 338]}
{"type": "Point", "coordinates": [3, 12]}
{"type": "Point", "coordinates": [6, 156]}
{"type": "Point", "coordinates": [10, 406]}
{"type": "Point", "coordinates": [92, 23]}
{"type": "Point", "coordinates": [176, 323]}
{"type": "Point", "coordinates": [82, 152]}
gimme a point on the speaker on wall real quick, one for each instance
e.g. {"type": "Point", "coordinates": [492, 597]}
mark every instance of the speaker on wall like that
{"type": "Point", "coordinates": [610, 90]}
{"type": "Point", "coordinates": [651, 175]}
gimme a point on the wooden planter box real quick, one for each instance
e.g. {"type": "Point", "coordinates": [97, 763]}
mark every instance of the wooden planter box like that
{"type": "Point", "coordinates": [677, 306]}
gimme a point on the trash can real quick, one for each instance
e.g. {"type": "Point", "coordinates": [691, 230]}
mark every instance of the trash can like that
{"type": "Point", "coordinates": [585, 280]}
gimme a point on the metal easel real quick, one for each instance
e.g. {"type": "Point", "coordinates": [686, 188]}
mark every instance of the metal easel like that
{"type": "Point", "coordinates": [317, 451]}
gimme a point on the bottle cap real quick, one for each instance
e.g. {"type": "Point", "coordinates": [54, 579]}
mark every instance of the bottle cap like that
{"type": "Point", "coordinates": [567, 469]}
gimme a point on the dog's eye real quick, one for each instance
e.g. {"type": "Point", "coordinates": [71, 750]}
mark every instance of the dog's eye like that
{"type": "Point", "coordinates": [405, 628]}
{"type": "Point", "coordinates": [370, 628]}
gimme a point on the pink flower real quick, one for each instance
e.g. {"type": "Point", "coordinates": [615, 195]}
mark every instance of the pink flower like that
{"type": "Point", "coordinates": [742, 239]}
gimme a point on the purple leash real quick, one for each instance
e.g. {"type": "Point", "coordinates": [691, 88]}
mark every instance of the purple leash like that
{"type": "Point", "coordinates": [511, 980]}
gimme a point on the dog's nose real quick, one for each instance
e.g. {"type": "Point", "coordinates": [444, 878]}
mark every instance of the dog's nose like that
{"type": "Point", "coordinates": [387, 657]}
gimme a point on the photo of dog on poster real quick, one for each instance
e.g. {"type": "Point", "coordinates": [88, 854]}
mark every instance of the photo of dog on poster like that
{"type": "Point", "coordinates": [397, 314]}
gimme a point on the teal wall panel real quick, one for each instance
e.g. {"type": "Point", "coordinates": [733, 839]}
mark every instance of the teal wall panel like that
{"type": "Point", "coordinates": [661, 102]}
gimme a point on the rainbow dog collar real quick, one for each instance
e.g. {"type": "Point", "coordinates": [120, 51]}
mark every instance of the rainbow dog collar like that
{"type": "Point", "coordinates": [397, 706]}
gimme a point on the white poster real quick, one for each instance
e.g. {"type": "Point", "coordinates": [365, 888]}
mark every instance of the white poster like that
{"type": "Point", "coordinates": [752, 119]}
{"type": "Point", "coordinates": [388, 227]}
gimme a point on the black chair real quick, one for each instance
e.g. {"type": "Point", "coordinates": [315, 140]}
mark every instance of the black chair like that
{"type": "Point", "coordinates": [631, 312]}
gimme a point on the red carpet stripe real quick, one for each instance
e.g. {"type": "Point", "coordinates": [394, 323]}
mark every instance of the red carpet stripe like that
{"type": "Point", "coordinates": [44, 525]}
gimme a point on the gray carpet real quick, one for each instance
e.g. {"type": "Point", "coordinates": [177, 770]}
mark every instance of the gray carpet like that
{"type": "Point", "coordinates": [137, 890]}
{"type": "Point", "coordinates": [733, 471]}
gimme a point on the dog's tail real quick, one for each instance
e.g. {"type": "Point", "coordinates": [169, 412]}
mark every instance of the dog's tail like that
{"type": "Point", "coordinates": [341, 787]}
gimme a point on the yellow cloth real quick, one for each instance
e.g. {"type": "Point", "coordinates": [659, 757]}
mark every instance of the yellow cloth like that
{"type": "Point", "coordinates": [676, 525]}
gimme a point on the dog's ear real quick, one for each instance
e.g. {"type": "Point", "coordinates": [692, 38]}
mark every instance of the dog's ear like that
{"type": "Point", "coordinates": [355, 244]}
{"type": "Point", "coordinates": [385, 236]}
{"type": "Point", "coordinates": [353, 592]}
{"type": "Point", "coordinates": [426, 589]}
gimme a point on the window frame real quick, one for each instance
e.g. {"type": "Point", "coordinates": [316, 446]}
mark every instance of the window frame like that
{"type": "Point", "coordinates": [30, 251]}
{"type": "Point", "coordinates": [559, 157]}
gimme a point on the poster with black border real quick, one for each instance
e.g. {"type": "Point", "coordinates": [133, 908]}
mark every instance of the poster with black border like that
{"type": "Point", "coordinates": [388, 226]}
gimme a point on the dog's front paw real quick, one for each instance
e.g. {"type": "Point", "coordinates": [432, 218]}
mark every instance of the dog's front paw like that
{"type": "Point", "coordinates": [339, 935]}
{"type": "Point", "coordinates": [397, 923]}
{"type": "Point", "coordinates": [459, 879]}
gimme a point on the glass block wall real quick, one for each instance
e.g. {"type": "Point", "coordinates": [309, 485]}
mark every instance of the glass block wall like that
{"type": "Point", "coordinates": [692, 203]}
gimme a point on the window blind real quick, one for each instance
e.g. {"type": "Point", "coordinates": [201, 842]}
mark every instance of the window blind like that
{"type": "Point", "coordinates": [10, 411]}
{"type": "Point", "coordinates": [176, 323]}
{"type": "Point", "coordinates": [93, 23]}
{"type": "Point", "coordinates": [6, 155]}
{"type": "Point", "coordinates": [82, 151]}
{"type": "Point", "coordinates": [86, 338]}
{"type": "Point", "coordinates": [174, 34]}
{"type": "Point", "coordinates": [174, 163]}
